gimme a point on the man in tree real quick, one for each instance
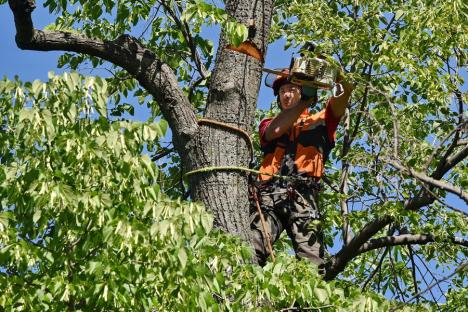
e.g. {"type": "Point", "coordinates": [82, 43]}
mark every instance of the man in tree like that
{"type": "Point", "coordinates": [296, 144]}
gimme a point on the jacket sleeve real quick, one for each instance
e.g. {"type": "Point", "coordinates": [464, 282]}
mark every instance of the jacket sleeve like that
{"type": "Point", "coordinates": [261, 131]}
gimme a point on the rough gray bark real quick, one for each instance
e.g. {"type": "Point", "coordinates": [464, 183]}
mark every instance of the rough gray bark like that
{"type": "Point", "coordinates": [232, 99]}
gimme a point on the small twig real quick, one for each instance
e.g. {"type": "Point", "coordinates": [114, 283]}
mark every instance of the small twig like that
{"type": "Point", "coordinates": [162, 154]}
{"type": "Point", "coordinates": [429, 180]}
{"type": "Point", "coordinates": [413, 270]}
{"type": "Point", "coordinates": [396, 127]}
{"type": "Point", "coordinates": [344, 180]}
{"type": "Point", "coordinates": [378, 267]}
{"type": "Point", "coordinates": [437, 198]}
{"type": "Point", "coordinates": [437, 282]}
{"type": "Point", "coordinates": [395, 278]}
{"type": "Point", "coordinates": [305, 309]}
{"type": "Point", "coordinates": [423, 276]}
{"type": "Point", "coordinates": [437, 150]}
{"type": "Point", "coordinates": [330, 184]}
{"type": "Point", "coordinates": [195, 84]}
{"type": "Point", "coordinates": [429, 271]}
{"type": "Point", "coordinates": [185, 28]}
{"type": "Point", "coordinates": [150, 22]}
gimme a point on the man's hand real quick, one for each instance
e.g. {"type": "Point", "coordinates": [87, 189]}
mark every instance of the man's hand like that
{"type": "Point", "coordinates": [339, 100]}
{"type": "Point", "coordinates": [346, 86]}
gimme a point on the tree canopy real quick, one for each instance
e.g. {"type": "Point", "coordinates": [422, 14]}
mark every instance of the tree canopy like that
{"type": "Point", "coordinates": [89, 220]}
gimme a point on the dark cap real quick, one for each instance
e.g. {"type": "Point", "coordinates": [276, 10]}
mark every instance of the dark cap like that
{"type": "Point", "coordinates": [280, 81]}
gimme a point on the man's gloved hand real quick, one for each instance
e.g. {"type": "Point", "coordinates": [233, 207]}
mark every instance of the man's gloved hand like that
{"type": "Point", "coordinates": [308, 93]}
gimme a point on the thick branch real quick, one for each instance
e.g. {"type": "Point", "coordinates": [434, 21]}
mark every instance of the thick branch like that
{"type": "Point", "coordinates": [346, 254]}
{"type": "Point", "coordinates": [349, 251]}
{"type": "Point", "coordinates": [437, 150]}
{"type": "Point", "coordinates": [449, 163]}
{"type": "Point", "coordinates": [126, 52]}
{"type": "Point", "coordinates": [405, 239]}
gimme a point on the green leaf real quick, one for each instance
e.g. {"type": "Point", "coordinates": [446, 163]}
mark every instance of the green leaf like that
{"type": "Point", "coordinates": [182, 255]}
{"type": "Point", "coordinates": [48, 255]}
{"type": "Point", "coordinates": [321, 294]}
{"type": "Point", "coordinates": [37, 216]}
{"type": "Point", "coordinates": [37, 88]}
{"type": "Point", "coordinates": [236, 33]}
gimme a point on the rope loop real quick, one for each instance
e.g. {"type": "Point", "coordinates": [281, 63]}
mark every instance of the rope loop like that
{"type": "Point", "coordinates": [243, 133]}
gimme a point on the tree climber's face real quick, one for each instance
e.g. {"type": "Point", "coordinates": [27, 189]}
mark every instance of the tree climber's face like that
{"type": "Point", "coordinates": [289, 95]}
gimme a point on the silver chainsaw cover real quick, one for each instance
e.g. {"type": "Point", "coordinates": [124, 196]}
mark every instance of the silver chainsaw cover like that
{"type": "Point", "coordinates": [313, 72]}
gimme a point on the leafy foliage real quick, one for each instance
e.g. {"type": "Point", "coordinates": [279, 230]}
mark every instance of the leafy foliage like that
{"type": "Point", "coordinates": [87, 220]}
{"type": "Point", "coordinates": [83, 224]}
{"type": "Point", "coordinates": [406, 60]}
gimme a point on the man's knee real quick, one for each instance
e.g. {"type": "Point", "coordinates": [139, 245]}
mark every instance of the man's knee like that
{"type": "Point", "coordinates": [309, 243]}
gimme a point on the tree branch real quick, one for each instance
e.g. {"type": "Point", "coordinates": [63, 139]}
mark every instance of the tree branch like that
{"type": "Point", "coordinates": [355, 246]}
{"type": "Point", "coordinates": [377, 268]}
{"type": "Point", "coordinates": [344, 179]}
{"type": "Point", "coordinates": [395, 276]}
{"type": "Point", "coordinates": [396, 127]}
{"type": "Point", "coordinates": [126, 52]}
{"type": "Point", "coordinates": [437, 149]}
{"type": "Point", "coordinates": [423, 277]}
{"type": "Point", "coordinates": [426, 179]}
{"type": "Point", "coordinates": [437, 282]}
{"type": "Point", "coordinates": [348, 252]}
{"type": "Point", "coordinates": [347, 141]}
{"type": "Point", "coordinates": [450, 162]}
{"type": "Point", "coordinates": [185, 28]}
{"type": "Point", "coordinates": [413, 271]}
{"type": "Point", "coordinates": [405, 239]}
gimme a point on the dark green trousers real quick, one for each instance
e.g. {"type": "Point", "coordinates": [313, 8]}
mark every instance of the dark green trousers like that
{"type": "Point", "coordinates": [292, 208]}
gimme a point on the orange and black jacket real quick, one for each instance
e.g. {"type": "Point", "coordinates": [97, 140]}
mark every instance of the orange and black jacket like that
{"type": "Point", "coordinates": [303, 149]}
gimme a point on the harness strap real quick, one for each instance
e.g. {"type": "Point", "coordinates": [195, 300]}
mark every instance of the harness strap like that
{"type": "Point", "coordinates": [266, 233]}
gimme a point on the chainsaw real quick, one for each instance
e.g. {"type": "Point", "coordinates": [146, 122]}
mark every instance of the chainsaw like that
{"type": "Point", "coordinates": [309, 69]}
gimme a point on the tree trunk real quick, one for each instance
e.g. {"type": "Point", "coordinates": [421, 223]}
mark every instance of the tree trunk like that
{"type": "Point", "coordinates": [232, 99]}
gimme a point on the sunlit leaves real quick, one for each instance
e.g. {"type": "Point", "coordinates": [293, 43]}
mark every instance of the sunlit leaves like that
{"type": "Point", "coordinates": [83, 223]}
{"type": "Point", "coordinates": [69, 183]}
{"type": "Point", "coordinates": [406, 61]}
